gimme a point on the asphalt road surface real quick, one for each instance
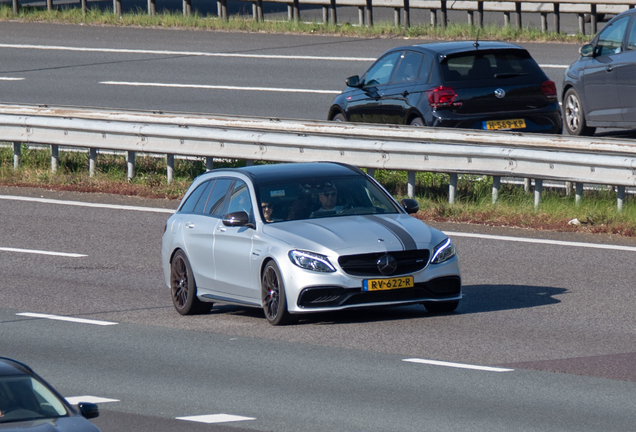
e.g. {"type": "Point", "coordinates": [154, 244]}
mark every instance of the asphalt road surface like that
{"type": "Point", "coordinates": [543, 339]}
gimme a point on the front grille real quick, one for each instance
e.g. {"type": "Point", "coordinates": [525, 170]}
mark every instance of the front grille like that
{"type": "Point", "coordinates": [329, 296]}
{"type": "Point", "coordinates": [366, 265]}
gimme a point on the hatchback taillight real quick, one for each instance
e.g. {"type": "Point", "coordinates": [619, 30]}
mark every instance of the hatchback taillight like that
{"type": "Point", "coordinates": [440, 97]}
{"type": "Point", "coordinates": [549, 89]}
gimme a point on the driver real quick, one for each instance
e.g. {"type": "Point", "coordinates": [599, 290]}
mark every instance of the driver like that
{"type": "Point", "coordinates": [328, 199]}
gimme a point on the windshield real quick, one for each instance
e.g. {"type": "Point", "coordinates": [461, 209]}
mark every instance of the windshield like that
{"type": "Point", "coordinates": [24, 398]}
{"type": "Point", "coordinates": [322, 197]}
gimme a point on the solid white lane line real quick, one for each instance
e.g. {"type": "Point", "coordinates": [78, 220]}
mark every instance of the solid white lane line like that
{"type": "Point", "coordinates": [219, 87]}
{"type": "Point", "coordinates": [185, 53]}
{"type": "Point", "coordinates": [542, 241]}
{"type": "Point", "coordinates": [41, 252]}
{"type": "Point", "coordinates": [215, 418]}
{"type": "Point", "coordinates": [66, 318]}
{"type": "Point", "coordinates": [74, 400]}
{"type": "Point", "coordinates": [457, 365]}
{"type": "Point", "coordinates": [553, 66]}
{"type": "Point", "coordinates": [10, 79]}
{"type": "Point", "coordinates": [85, 204]}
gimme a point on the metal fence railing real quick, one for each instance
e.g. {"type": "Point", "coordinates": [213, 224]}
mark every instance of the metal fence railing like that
{"type": "Point", "coordinates": [604, 161]}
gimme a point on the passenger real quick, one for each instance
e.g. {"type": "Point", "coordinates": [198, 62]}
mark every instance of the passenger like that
{"type": "Point", "coordinates": [268, 209]}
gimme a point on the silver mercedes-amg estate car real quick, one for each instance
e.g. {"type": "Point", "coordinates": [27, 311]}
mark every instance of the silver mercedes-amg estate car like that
{"type": "Point", "coordinates": [298, 238]}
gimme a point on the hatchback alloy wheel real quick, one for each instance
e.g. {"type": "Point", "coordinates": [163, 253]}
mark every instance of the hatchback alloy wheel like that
{"type": "Point", "coordinates": [574, 115]}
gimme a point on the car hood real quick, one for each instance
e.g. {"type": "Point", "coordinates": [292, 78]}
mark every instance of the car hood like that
{"type": "Point", "coordinates": [347, 235]}
{"type": "Point", "coordinates": [62, 424]}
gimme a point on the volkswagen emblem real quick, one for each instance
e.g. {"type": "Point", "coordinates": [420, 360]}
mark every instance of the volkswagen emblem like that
{"type": "Point", "coordinates": [387, 265]}
{"type": "Point", "coordinates": [500, 93]}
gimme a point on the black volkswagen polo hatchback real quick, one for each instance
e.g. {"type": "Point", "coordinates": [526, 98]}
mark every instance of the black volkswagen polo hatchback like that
{"type": "Point", "coordinates": [470, 85]}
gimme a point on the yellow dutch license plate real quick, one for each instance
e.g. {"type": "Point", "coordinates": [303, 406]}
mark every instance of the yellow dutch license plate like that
{"type": "Point", "coordinates": [387, 284]}
{"type": "Point", "coordinates": [505, 124]}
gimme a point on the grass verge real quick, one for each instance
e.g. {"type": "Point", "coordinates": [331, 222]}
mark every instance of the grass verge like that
{"type": "Point", "coordinates": [176, 20]}
{"type": "Point", "coordinates": [596, 214]}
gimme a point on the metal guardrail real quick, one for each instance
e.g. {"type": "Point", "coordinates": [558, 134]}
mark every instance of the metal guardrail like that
{"type": "Point", "coordinates": [604, 161]}
{"type": "Point", "coordinates": [587, 10]}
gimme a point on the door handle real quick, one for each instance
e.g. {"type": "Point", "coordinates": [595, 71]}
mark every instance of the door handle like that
{"type": "Point", "coordinates": [221, 229]}
{"type": "Point", "coordinates": [190, 225]}
{"type": "Point", "coordinates": [405, 93]}
{"type": "Point", "coordinates": [609, 68]}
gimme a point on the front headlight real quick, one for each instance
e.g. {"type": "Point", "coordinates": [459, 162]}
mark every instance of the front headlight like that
{"type": "Point", "coordinates": [443, 252]}
{"type": "Point", "coordinates": [311, 261]}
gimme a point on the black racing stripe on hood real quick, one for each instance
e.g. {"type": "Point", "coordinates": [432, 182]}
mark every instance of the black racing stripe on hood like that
{"type": "Point", "coordinates": [408, 242]}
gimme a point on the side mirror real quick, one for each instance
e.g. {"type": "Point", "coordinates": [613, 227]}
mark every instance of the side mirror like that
{"type": "Point", "coordinates": [587, 50]}
{"type": "Point", "coordinates": [88, 410]}
{"type": "Point", "coordinates": [353, 81]}
{"type": "Point", "coordinates": [239, 218]}
{"type": "Point", "coordinates": [410, 205]}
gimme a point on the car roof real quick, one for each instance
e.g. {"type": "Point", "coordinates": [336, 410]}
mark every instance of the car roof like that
{"type": "Point", "coordinates": [13, 367]}
{"type": "Point", "coordinates": [261, 174]}
{"type": "Point", "coordinates": [447, 48]}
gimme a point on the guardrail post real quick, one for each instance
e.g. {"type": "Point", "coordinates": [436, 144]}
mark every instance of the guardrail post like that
{"type": "Point", "coordinates": [16, 7]}
{"type": "Point", "coordinates": [187, 7]}
{"type": "Point", "coordinates": [544, 22]}
{"type": "Point", "coordinates": [17, 154]}
{"type": "Point", "coordinates": [582, 23]}
{"type": "Point", "coordinates": [369, 11]}
{"type": "Point", "coordinates": [620, 198]}
{"type": "Point", "coordinates": [443, 14]}
{"type": "Point", "coordinates": [209, 163]}
{"type": "Point", "coordinates": [152, 7]}
{"type": "Point", "coordinates": [526, 185]}
{"type": "Point", "coordinates": [130, 165]}
{"type": "Point", "coordinates": [557, 18]}
{"type": "Point", "coordinates": [593, 18]}
{"type": "Point", "coordinates": [480, 14]}
{"type": "Point", "coordinates": [407, 14]}
{"type": "Point", "coordinates": [290, 12]}
{"type": "Point", "coordinates": [92, 161]}
{"type": "Point", "coordinates": [84, 7]}
{"type": "Point", "coordinates": [221, 8]}
{"type": "Point", "coordinates": [360, 16]}
{"type": "Point", "coordinates": [325, 14]}
{"type": "Point", "coordinates": [49, 5]}
{"type": "Point", "coordinates": [518, 14]}
{"type": "Point", "coordinates": [296, 7]}
{"type": "Point", "coordinates": [496, 185]}
{"type": "Point", "coordinates": [579, 194]}
{"type": "Point", "coordinates": [471, 21]}
{"type": "Point", "coordinates": [170, 168]}
{"type": "Point", "coordinates": [452, 188]}
{"type": "Point", "coordinates": [259, 15]}
{"type": "Point", "coordinates": [117, 7]}
{"type": "Point", "coordinates": [410, 185]}
{"type": "Point", "coordinates": [396, 17]}
{"type": "Point", "coordinates": [568, 188]}
{"type": "Point", "coordinates": [506, 19]}
{"type": "Point", "coordinates": [55, 157]}
{"type": "Point", "coordinates": [538, 188]}
{"type": "Point", "coordinates": [333, 13]}
{"type": "Point", "coordinates": [433, 17]}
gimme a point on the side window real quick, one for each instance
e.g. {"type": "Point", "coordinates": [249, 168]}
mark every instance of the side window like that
{"type": "Point", "coordinates": [191, 202]}
{"type": "Point", "coordinates": [217, 197]}
{"type": "Point", "coordinates": [631, 41]}
{"type": "Point", "coordinates": [611, 38]}
{"type": "Point", "coordinates": [380, 72]}
{"type": "Point", "coordinates": [240, 199]}
{"type": "Point", "coordinates": [204, 198]}
{"type": "Point", "coordinates": [409, 67]}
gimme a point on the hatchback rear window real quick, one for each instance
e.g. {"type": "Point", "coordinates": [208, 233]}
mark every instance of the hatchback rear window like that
{"type": "Point", "coordinates": [488, 65]}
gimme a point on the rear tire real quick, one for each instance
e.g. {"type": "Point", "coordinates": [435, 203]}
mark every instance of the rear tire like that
{"type": "Point", "coordinates": [339, 118]}
{"type": "Point", "coordinates": [417, 122]}
{"type": "Point", "coordinates": [441, 307]}
{"type": "Point", "coordinates": [184, 288]}
{"type": "Point", "coordinates": [273, 296]}
{"type": "Point", "coordinates": [574, 115]}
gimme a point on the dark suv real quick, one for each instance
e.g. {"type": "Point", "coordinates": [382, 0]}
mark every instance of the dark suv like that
{"type": "Point", "coordinates": [471, 85]}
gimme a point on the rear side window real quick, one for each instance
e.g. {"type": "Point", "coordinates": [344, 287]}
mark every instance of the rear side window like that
{"type": "Point", "coordinates": [409, 67]}
{"type": "Point", "coordinates": [217, 197]}
{"type": "Point", "coordinates": [193, 199]}
{"type": "Point", "coordinates": [489, 65]}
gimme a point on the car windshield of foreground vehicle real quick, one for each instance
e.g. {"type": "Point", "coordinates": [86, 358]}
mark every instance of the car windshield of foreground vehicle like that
{"type": "Point", "coordinates": [309, 198]}
{"type": "Point", "coordinates": [23, 398]}
{"type": "Point", "coordinates": [496, 65]}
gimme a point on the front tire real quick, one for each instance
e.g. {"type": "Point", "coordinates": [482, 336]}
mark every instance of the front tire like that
{"type": "Point", "coordinates": [184, 288]}
{"type": "Point", "coordinates": [441, 307]}
{"type": "Point", "coordinates": [574, 115]}
{"type": "Point", "coordinates": [273, 296]}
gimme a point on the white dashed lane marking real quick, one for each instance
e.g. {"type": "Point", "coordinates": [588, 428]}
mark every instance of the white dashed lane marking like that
{"type": "Point", "coordinates": [215, 418]}
{"type": "Point", "coordinates": [74, 400]}
{"type": "Point", "coordinates": [219, 87]}
{"type": "Point", "coordinates": [42, 252]}
{"type": "Point", "coordinates": [457, 365]}
{"type": "Point", "coordinates": [66, 318]}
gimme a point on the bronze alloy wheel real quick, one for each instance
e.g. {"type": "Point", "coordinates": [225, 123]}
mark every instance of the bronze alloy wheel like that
{"type": "Point", "coordinates": [183, 287]}
{"type": "Point", "coordinates": [273, 295]}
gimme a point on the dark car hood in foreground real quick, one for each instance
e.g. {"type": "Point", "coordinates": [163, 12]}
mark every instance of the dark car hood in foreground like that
{"type": "Point", "coordinates": [356, 234]}
{"type": "Point", "coordinates": [62, 424]}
